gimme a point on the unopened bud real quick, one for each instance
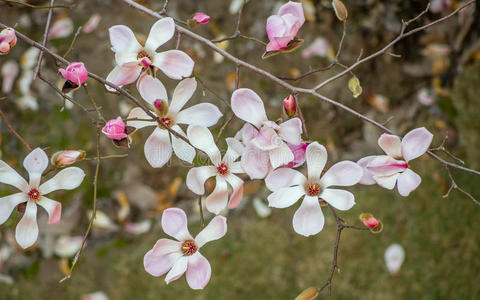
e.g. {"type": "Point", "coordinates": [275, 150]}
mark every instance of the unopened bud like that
{"type": "Point", "coordinates": [371, 222]}
{"type": "Point", "coordinates": [340, 10]}
{"type": "Point", "coordinates": [201, 18]}
{"type": "Point", "coordinates": [161, 107]}
{"type": "Point", "coordinates": [308, 294]}
{"type": "Point", "coordinates": [355, 87]}
{"type": "Point", "coordinates": [67, 157]}
{"type": "Point", "coordinates": [8, 39]}
{"type": "Point", "coordinates": [289, 106]}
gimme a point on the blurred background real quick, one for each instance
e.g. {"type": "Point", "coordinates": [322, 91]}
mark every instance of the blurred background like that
{"type": "Point", "coordinates": [435, 83]}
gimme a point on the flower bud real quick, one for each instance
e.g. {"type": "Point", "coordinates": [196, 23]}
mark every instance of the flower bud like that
{"type": "Point", "coordinates": [76, 73]}
{"type": "Point", "coordinates": [308, 294]}
{"type": "Point", "coordinates": [67, 157]}
{"type": "Point", "coordinates": [354, 86]}
{"type": "Point", "coordinates": [115, 129]}
{"type": "Point", "coordinates": [201, 18]}
{"type": "Point", "coordinates": [289, 106]}
{"type": "Point", "coordinates": [8, 39]}
{"type": "Point", "coordinates": [161, 107]}
{"type": "Point", "coordinates": [340, 10]}
{"type": "Point", "coordinates": [371, 222]}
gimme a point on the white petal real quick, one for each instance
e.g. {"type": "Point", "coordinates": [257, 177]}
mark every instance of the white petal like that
{"type": "Point", "coordinates": [123, 39]}
{"type": "Point", "coordinates": [308, 219]}
{"type": "Point", "coordinates": [286, 196]}
{"type": "Point", "coordinates": [248, 106]}
{"type": "Point", "coordinates": [215, 230]}
{"type": "Point", "coordinates": [198, 271]}
{"type": "Point", "coordinates": [394, 256]}
{"type": "Point", "coordinates": [281, 156]}
{"type": "Point", "coordinates": [387, 182]}
{"type": "Point", "coordinates": [284, 177]}
{"type": "Point", "coordinates": [182, 93]}
{"type": "Point", "coordinates": [344, 173]}
{"type": "Point", "coordinates": [391, 144]}
{"type": "Point", "coordinates": [236, 168]}
{"type": "Point", "coordinates": [234, 150]}
{"type": "Point", "coordinates": [158, 149]}
{"type": "Point", "coordinates": [181, 148]}
{"type": "Point", "coordinates": [175, 224]}
{"type": "Point", "coordinates": [157, 265]}
{"type": "Point", "coordinates": [175, 64]}
{"type": "Point", "coordinates": [177, 270]}
{"type": "Point", "coordinates": [26, 232]}
{"type": "Point", "coordinates": [200, 137]}
{"type": "Point", "coordinates": [416, 143]}
{"type": "Point", "coordinates": [237, 190]}
{"type": "Point", "coordinates": [123, 75]}
{"type": "Point", "coordinates": [340, 199]}
{"type": "Point", "coordinates": [8, 203]}
{"type": "Point", "coordinates": [138, 113]}
{"type": "Point", "coordinates": [66, 179]}
{"type": "Point", "coordinates": [160, 33]}
{"type": "Point", "coordinates": [196, 178]}
{"type": "Point", "coordinates": [203, 114]}
{"type": "Point", "coordinates": [151, 89]}
{"type": "Point", "coordinates": [53, 208]}
{"type": "Point", "coordinates": [35, 163]}
{"type": "Point", "coordinates": [217, 200]}
{"type": "Point", "coordinates": [407, 182]}
{"type": "Point", "coordinates": [367, 178]}
{"type": "Point", "coordinates": [122, 58]}
{"type": "Point", "coordinates": [316, 157]}
{"type": "Point", "coordinates": [9, 176]}
{"type": "Point", "coordinates": [291, 131]}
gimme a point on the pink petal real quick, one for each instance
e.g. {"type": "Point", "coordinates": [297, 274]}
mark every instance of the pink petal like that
{"type": "Point", "coordinates": [367, 178]}
{"type": "Point", "coordinates": [275, 27]}
{"type": "Point", "coordinates": [174, 63]}
{"type": "Point", "coordinates": [181, 148]}
{"type": "Point", "coordinates": [138, 113]}
{"type": "Point", "coordinates": [285, 197]}
{"type": "Point", "coordinates": [308, 219]}
{"type": "Point", "coordinates": [391, 144]}
{"type": "Point", "coordinates": [200, 137]}
{"type": "Point", "coordinates": [35, 163]}
{"type": "Point", "coordinates": [237, 190]}
{"type": "Point", "coordinates": [267, 139]}
{"type": "Point", "coordinates": [277, 43]}
{"type": "Point", "coordinates": [196, 178]}
{"type": "Point", "coordinates": [248, 106]}
{"type": "Point", "coordinates": [217, 200]}
{"type": "Point", "coordinates": [179, 267]}
{"type": "Point", "coordinates": [166, 246]}
{"type": "Point", "coordinates": [66, 179]}
{"type": "Point", "coordinates": [215, 230]}
{"type": "Point", "coordinates": [340, 199]}
{"type": "Point", "coordinates": [160, 33]}
{"type": "Point", "coordinates": [201, 18]}
{"type": "Point", "coordinates": [151, 89]}
{"type": "Point", "coordinates": [384, 165]}
{"type": "Point", "coordinates": [158, 149]}
{"type": "Point", "coordinates": [416, 143]}
{"type": "Point", "coordinates": [9, 176]}
{"type": "Point", "coordinates": [123, 39]}
{"type": "Point", "coordinates": [280, 156]}
{"type": "Point", "coordinates": [293, 8]}
{"type": "Point", "coordinates": [182, 93]}
{"type": "Point", "coordinates": [123, 75]}
{"type": "Point", "coordinates": [316, 158]}
{"type": "Point", "coordinates": [344, 173]}
{"type": "Point", "coordinates": [198, 271]}
{"type": "Point", "coordinates": [203, 114]}
{"type": "Point", "coordinates": [8, 203]}
{"type": "Point", "coordinates": [291, 131]}
{"type": "Point", "coordinates": [407, 182]}
{"type": "Point", "coordinates": [174, 223]}
{"type": "Point", "coordinates": [284, 177]}
{"type": "Point", "coordinates": [157, 265]}
{"type": "Point", "coordinates": [26, 232]}
{"type": "Point", "coordinates": [248, 133]}
{"type": "Point", "coordinates": [9, 73]}
{"type": "Point", "coordinates": [53, 208]}
{"type": "Point", "coordinates": [299, 152]}
{"type": "Point", "coordinates": [255, 162]}
{"type": "Point", "coordinates": [387, 182]}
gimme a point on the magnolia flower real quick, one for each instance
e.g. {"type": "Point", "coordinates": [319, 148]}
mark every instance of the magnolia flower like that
{"type": "Point", "coordinates": [283, 28]}
{"type": "Point", "coordinates": [158, 148]}
{"type": "Point", "coordinates": [131, 57]}
{"type": "Point", "coordinates": [9, 73]}
{"type": "Point", "coordinates": [61, 28]}
{"type": "Point", "coordinates": [270, 137]}
{"type": "Point", "coordinates": [33, 193]}
{"type": "Point", "coordinates": [394, 256]}
{"type": "Point", "coordinates": [288, 185]}
{"type": "Point", "coordinates": [75, 73]}
{"type": "Point", "coordinates": [115, 129]}
{"type": "Point", "coordinates": [183, 256]}
{"type": "Point", "coordinates": [92, 23]}
{"type": "Point", "coordinates": [201, 18]}
{"type": "Point", "coordinates": [320, 47]}
{"type": "Point", "coordinates": [388, 170]}
{"type": "Point", "coordinates": [67, 157]}
{"type": "Point", "coordinates": [8, 39]}
{"type": "Point", "coordinates": [224, 170]}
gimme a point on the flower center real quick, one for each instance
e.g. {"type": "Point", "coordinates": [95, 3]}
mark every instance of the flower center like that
{"type": "Point", "coordinates": [167, 121]}
{"type": "Point", "coordinates": [222, 169]}
{"type": "Point", "coordinates": [189, 247]}
{"type": "Point", "coordinates": [34, 195]}
{"type": "Point", "coordinates": [145, 59]}
{"type": "Point", "coordinates": [313, 189]}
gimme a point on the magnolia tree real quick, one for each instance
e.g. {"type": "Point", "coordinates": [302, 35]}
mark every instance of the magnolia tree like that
{"type": "Point", "coordinates": [276, 151]}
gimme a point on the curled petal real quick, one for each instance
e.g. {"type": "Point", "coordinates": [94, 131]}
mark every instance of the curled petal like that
{"type": "Point", "coordinates": [174, 63]}
{"type": "Point", "coordinates": [407, 182]}
{"type": "Point", "coordinates": [66, 179]}
{"type": "Point", "coordinates": [203, 114]}
{"type": "Point", "coordinates": [26, 232]}
{"type": "Point", "coordinates": [384, 165]}
{"type": "Point", "coordinates": [293, 8]}
{"type": "Point", "coordinates": [215, 230]}
{"type": "Point", "coordinates": [367, 178]}
{"type": "Point", "coordinates": [291, 131]}
{"type": "Point", "coordinates": [123, 75]}
{"type": "Point", "coordinates": [9, 176]}
{"type": "Point", "coordinates": [237, 190]}
{"type": "Point", "coordinates": [316, 158]}
{"type": "Point", "coordinates": [286, 196]}
{"type": "Point", "coordinates": [344, 173]}
{"type": "Point", "coordinates": [340, 199]}
{"type": "Point", "coordinates": [158, 149]}
{"type": "Point", "coordinates": [160, 33]}
{"type": "Point", "coordinates": [217, 200]}
{"type": "Point", "coordinates": [391, 144]}
{"type": "Point", "coordinates": [281, 156]}
{"type": "Point", "coordinates": [123, 39]}
{"type": "Point", "coordinates": [157, 265]}
{"type": "Point", "coordinates": [198, 271]}
{"type": "Point", "coordinates": [53, 208]}
{"type": "Point", "coordinates": [196, 178]}
{"type": "Point", "coordinates": [387, 182]}
{"type": "Point", "coordinates": [151, 89]}
{"type": "Point", "coordinates": [179, 267]}
{"type": "Point", "coordinates": [416, 143]}
{"type": "Point", "coordinates": [284, 177]}
{"type": "Point", "coordinates": [248, 106]}
{"type": "Point", "coordinates": [174, 223]}
{"type": "Point", "coordinates": [8, 203]}
{"type": "Point", "coordinates": [308, 219]}
{"type": "Point", "coordinates": [181, 148]}
{"type": "Point", "coordinates": [200, 137]}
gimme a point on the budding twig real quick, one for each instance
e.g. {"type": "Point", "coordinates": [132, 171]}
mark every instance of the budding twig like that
{"type": "Point", "coordinates": [19, 137]}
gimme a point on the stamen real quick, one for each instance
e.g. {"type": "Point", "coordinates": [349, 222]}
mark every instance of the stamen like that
{"type": "Point", "coordinates": [167, 121]}
{"type": "Point", "coordinates": [34, 195]}
{"type": "Point", "coordinates": [189, 247]}
{"type": "Point", "coordinates": [222, 169]}
{"type": "Point", "coordinates": [313, 189]}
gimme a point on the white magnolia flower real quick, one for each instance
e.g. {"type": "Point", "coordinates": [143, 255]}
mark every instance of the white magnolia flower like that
{"type": "Point", "coordinates": [394, 256]}
{"type": "Point", "coordinates": [33, 193]}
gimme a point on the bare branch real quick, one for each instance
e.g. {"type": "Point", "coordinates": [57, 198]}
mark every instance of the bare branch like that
{"type": "Point", "coordinates": [19, 137]}
{"type": "Point", "coordinates": [45, 38]}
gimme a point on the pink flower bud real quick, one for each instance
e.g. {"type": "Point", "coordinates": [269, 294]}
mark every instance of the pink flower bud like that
{"type": "Point", "coordinates": [201, 18]}
{"type": "Point", "coordinates": [290, 106]}
{"type": "Point", "coordinates": [115, 129]}
{"type": "Point", "coordinates": [371, 222]}
{"type": "Point", "coordinates": [283, 27]}
{"type": "Point", "coordinates": [75, 73]}
{"type": "Point", "coordinates": [8, 39]}
{"type": "Point", "coordinates": [67, 157]}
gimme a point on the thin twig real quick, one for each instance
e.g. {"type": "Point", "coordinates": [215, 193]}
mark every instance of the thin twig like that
{"type": "Point", "coordinates": [36, 6]}
{"type": "Point", "coordinates": [454, 186]}
{"type": "Point", "coordinates": [300, 115]}
{"type": "Point", "coordinates": [45, 38]}
{"type": "Point", "coordinates": [79, 30]}
{"type": "Point", "coordinates": [65, 97]}
{"type": "Point", "coordinates": [200, 207]}
{"type": "Point", "coordinates": [107, 157]}
{"type": "Point", "coordinates": [19, 137]}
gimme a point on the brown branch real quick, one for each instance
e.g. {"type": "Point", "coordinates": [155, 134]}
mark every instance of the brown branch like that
{"type": "Point", "coordinates": [300, 115]}
{"type": "Point", "coordinates": [19, 137]}
{"type": "Point", "coordinates": [45, 38]}
{"type": "Point", "coordinates": [454, 186]}
{"type": "Point", "coordinates": [65, 97]}
{"type": "Point", "coordinates": [36, 6]}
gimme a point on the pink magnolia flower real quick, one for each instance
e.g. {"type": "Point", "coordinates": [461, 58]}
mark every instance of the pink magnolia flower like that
{"type": "Point", "coordinates": [158, 148]}
{"type": "Point", "coordinates": [183, 256]}
{"type": "Point", "coordinates": [61, 28]}
{"type": "Point", "coordinates": [75, 73]}
{"type": "Point", "coordinates": [115, 129]}
{"type": "Point", "coordinates": [201, 18]}
{"type": "Point", "coordinates": [224, 170]}
{"type": "Point", "coordinates": [33, 193]}
{"type": "Point", "coordinates": [8, 39]}
{"type": "Point", "coordinates": [394, 257]}
{"type": "Point", "coordinates": [288, 185]}
{"type": "Point", "coordinates": [298, 155]}
{"type": "Point", "coordinates": [131, 57]}
{"type": "Point", "coordinates": [92, 23]}
{"type": "Point", "coordinates": [268, 140]}
{"type": "Point", "coordinates": [388, 170]}
{"type": "Point", "coordinates": [9, 73]}
{"type": "Point", "coordinates": [319, 47]}
{"type": "Point", "coordinates": [283, 28]}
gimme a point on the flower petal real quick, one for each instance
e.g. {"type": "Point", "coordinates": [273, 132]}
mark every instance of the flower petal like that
{"type": "Point", "coordinates": [217, 200]}
{"type": "Point", "coordinates": [237, 191]}
{"type": "Point", "coordinates": [200, 137]}
{"type": "Point", "coordinates": [236, 168]}
{"type": "Point", "coordinates": [157, 265]}
{"type": "Point", "coordinates": [308, 219]}
{"type": "Point", "coordinates": [123, 75]}
{"type": "Point", "coordinates": [53, 208]}
{"type": "Point", "coordinates": [66, 179]}
{"type": "Point", "coordinates": [340, 199]}
{"type": "Point", "coordinates": [35, 163]}
{"type": "Point", "coordinates": [138, 113]}
{"type": "Point", "coordinates": [166, 246]}
{"type": "Point", "coordinates": [160, 33]}
{"type": "Point", "coordinates": [8, 203]}
{"type": "Point", "coordinates": [284, 177]}
{"type": "Point", "coordinates": [291, 131]}
{"type": "Point", "coordinates": [174, 63]}
{"type": "Point", "coordinates": [9, 176]}
{"type": "Point", "coordinates": [280, 156]}
{"type": "Point", "coordinates": [344, 173]}
{"type": "Point", "coordinates": [215, 230]}
{"type": "Point", "coordinates": [203, 114]}
{"type": "Point", "coordinates": [384, 165]}
{"type": "Point", "coordinates": [181, 148]}
{"type": "Point", "coordinates": [151, 89]}
{"type": "Point", "coordinates": [367, 178]}
{"type": "Point", "coordinates": [26, 232]}
{"type": "Point", "coordinates": [267, 139]}
{"type": "Point", "coordinates": [123, 39]}
{"type": "Point", "coordinates": [285, 197]}
{"type": "Point", "coordinates": [387, 182]}
{"type": "Point", "coordinates": [407, 182]}
{"type": "Point", "coordinates": [293, 8]}
{"type": "Point", "coordinates": [175, 224]}
{"type": "Point", "coordinates": [255, 162]}
{"type": "Point", "coordinates": [182, 93]}
{"type": "Point", "coordinates": [158, 149]}
{"type": "Point", "coordinates": [316, 158]}
{"type": "Point", "coordinates": [391, 144]}
{"type": "Point", "coordinates": [416, 143]}
{"type": "Point", "coordinates": [234, 150]}
{"type": "Point", "coordinates": [198, 271]}
{"type": "Point", "coordinates": [196, 178]}
{"type": "Point", "coordinates": [179, 267]}
{"type": "Point", "coordinates": [248, 106]}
